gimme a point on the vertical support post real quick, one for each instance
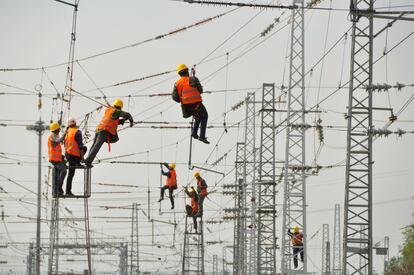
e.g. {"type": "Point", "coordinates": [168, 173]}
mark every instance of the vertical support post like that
{"type": "Point", "coordinates": [386, 256]}
{"type": "Point", "coordinates": [294, 206]}
{"type": "Point", "coordinates": [266, 209]}
{"type": "Point", "coordinates": [215, 265]}
{"type": "Point", "coordinates": [134, 254]}
{"type": "Point", "coordinates": [248, 238]}
{"type": "Point", "coordinates": [358, 177]}
{"type": "Point", "coordinates": [326, 251]}
{"type": "Point", "coordinates": [336, 255]}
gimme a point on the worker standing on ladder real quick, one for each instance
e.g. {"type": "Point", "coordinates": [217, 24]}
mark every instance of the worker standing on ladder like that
{"type": "Point", "coordinates": [187, 91]}
{"type": "Point", "coordinates": [201, 190]}
{"type": "Point", "coordinates": [74, 152]}
{"type": "Point", "coordinates": [171, 182]}
{"type": "Point", "coordinates": [56, 158]}
{"type": "Point", "coordinates": [297, 244]}
{"type": "Point", "coordinates": [192, 210]}
{"type": "Point", "coordinates": [106, 131]}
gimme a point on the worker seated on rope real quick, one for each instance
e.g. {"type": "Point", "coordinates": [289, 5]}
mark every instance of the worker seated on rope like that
{"type": "Point", "coordinates": [106, 131]}
{"type": "Point", "coordinates": [201, 190]}
{"type": "Point", "coordinates": [74, 152]}
{"type": "Point", "coordinates": [56, 158]}
{"type": "Point", "coordinates": [171, 182]}
{"type": "Point", "coordinates": [192, 210]}
{"type": "Point", "coordinates": [187, 91]}
{"type": "Point", "coordinates": [297, 244]}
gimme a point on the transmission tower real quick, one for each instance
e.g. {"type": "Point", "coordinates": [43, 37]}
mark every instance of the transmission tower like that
{"type": "Point", "coordinates": [193, 252]}
{"type": "Point", "coordinates": [326, 251]}
{"type": "Point", "coordinates": [134, 254]}
{"type": "Point", "coordinates": [249, 222]}
{"type": "Point", "coordinates": [266, 210]}
{"type": "Point", "coordinates": [215, 265]}
{"type": "Point", "coordinates": [294, 206]}
{"type": "Point", "coordinates": [56, 219]}
{"type": "Point", "coordinates": [336, 254]}
{"type": "Point", "coordinates": [358, 178]}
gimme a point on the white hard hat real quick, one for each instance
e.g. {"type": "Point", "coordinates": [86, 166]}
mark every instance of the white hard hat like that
{"type": "Point", "coordinates": [71, 121]}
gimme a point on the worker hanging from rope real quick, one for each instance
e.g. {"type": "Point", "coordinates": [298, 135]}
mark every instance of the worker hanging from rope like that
{"type": "Point", "coordinates": [74, 152]}
{"type": "Point", "coordinates": [192, 210]}
{"type": "Point", "coordinates": [106, 131]}
{"type": "Point", "coordinates": [187, 91]}
{"type": "Point", "coordinates": [297, 244]}
{"type": "Point", "coordinates": [201, 190]}
{"type": "Point", "coordinates": [171, 182]}
{"type": "Point", "coordinates": [56, 158]}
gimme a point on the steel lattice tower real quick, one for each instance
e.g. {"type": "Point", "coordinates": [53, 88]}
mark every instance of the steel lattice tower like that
{"type": "Point", "coordinates": [294, 206]}
{"type": "Point", "coordinates": [266, 208]}
{"type": "Point", "coordinates": [326, 251]}
{"type": "Point", "coordinates": [249, 223]}
{"type": "Point", "coordinates": [239, 240]}
{"type": "Point", "coordinates": [358, 178]}
{"type": "Point", "coordinates": [134, 250]}
{"type": "Point", "coordinates": [336, 254]}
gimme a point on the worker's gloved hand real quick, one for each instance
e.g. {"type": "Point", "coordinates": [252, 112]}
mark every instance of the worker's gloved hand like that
{"type": "Point", "coordinates": [122, 121]}
{"type": "Point", "coordinates": [131, 122]}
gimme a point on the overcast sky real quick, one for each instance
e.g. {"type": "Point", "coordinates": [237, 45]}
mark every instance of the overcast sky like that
{"type": "Point", "coordinates": [36, 34]}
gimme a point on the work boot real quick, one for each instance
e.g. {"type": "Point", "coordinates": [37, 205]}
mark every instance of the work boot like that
{"type": "Point", "coordinates": [194, 135]}
{"type": "Point", "coordinates": [172, 206]}
{"type": "Point", "coordinates": [203, 139]}
{"type": "Point", "coordinates": [69, 194]}
{"type": "Point", "coordinates": [160, 199]}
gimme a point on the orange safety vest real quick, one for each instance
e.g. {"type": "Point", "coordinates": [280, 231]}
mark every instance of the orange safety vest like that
{"type": "Point", "coordinates": [187, 93]}
{"type": "Point", "coordinates": [71, 145]}
{"type": "Point", "coordinates": [296, 239]}
{"type": "Point", "coordinates": [55, 153]}
{"type": "Point", "coordinates": [172, 179]}
{"type": "Point", "coordinates": [194, 205]}
{"type": "Point", "coordinates": [108, 123]}
{"type": "Point", "coordinates": [203, 189]}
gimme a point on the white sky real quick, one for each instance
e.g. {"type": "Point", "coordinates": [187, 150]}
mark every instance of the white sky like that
{"type": "Point", "coordinates": [37, 34]}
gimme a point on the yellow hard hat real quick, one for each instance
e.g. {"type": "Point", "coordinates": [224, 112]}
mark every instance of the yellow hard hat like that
{"type": "Point", "coordinates": [181, 67]}
{"type": "Point", "coordinates": [196, 174]}
{"type": "Point", "coordinates": [118, 103]}
{"type": "Point", "coordinates": [296, 228]}
{"type": "Point", "coordinates": [171, 165]}
{"type": "Point", "coordinates": [54, 126]}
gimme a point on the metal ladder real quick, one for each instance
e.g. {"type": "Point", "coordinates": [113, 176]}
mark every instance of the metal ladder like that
{"type": "Point", "coordinates": [193, 252]}
{"type": "Point", "coordinates": [54, 244]}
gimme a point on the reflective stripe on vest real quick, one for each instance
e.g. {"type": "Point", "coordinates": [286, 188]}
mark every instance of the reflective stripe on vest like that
{"type": "Point", "coordinates": [172, 179]}
{"type": "Point", "coordinates": [71, 145]}
{"type": "Point", "coordinates": [194, 205]}
{"type": "Point", "coordinates": [296, 239]}
{"type": "Point", "coordinates": [55, 153]}
{"type": "Point", "coordinates": [108, 123]}
{"type": "Point", "coordinates": [202, 190]}
{"type": "Point", "coordinates": [187, 93]}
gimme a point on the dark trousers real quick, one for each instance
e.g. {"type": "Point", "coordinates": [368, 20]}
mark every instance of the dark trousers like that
{"type": "Point", "coordinates": [189, 211]}
{"type": "Point", "coordinates": [73, 161]}
{"type": "Point", "coordinates": [296, 251]}
{"type": "Point", "coordinates": [100, 138]}
{"type": "Point", "coordinates": [200, 119]}
{"type": "Point", "coordinates": [59, 176]}
{"type": "Point", "coordinates": [200, 203]}
{"type": "Point", "coordinates": [170, 190]}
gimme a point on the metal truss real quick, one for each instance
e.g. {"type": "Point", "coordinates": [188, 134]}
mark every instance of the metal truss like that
{"type": "Point", "coordinates": [336, 253]}
{"type": "Point", "coordinates": [193, 251]}
{"type": "Point", "coordinates": [55, 247]}
{"type": "Point", "coordinates": [326, 251]}
{"type": "Point", "coordinates": [358, 178]}
{"type": "Point", "coordinates": [266, 209]}
{"type": "Point", "coordinates": [294, 206]}
{"type": "Point", "coordinates": [134, 250]}
{"type": "Point", "coordinates": [249, 222]}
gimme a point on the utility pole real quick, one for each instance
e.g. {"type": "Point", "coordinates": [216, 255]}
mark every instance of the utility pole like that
{"type": "Point", "coordinates": [294, 206]}
{"type": "Point", "coordinates": [266, 208]}
{"type": "Point", "coordinates": [134, 259]}
{"type": "Point", "coordinates": [336, 255]}
{"type": "Point", "coordinates": [38, 128]}
{"type": "Point", "coordinates": [326, 250]}
{"type": "Point", "coordinates": [386, 256]}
